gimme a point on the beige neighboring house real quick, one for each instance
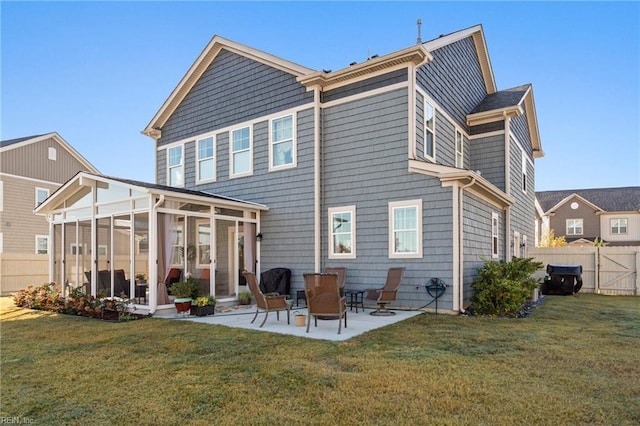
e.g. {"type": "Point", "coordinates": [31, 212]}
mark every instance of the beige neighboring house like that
{"type": "Point", "coordinates": [612, 215]}
{"type": "Point", "coordinates": [31, 168]}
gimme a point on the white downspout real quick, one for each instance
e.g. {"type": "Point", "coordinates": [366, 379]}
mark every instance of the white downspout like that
{"type": "Point", "coordinates": [153, 266]}
{"type": "Point", "coordinates": [461, 243]}
{"type": "Point", "coordinates": [316, 181]}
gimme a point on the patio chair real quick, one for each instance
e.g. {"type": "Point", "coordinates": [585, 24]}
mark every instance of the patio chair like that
{"type": "Point", "coordinates": [269, 302]}
{"type": "Point", "coordinates": [121, 284]}
{"type": "Point", "coordinates": [173, 276]}
{"type": "Point", "coordinates": [342, 275]}
{"type": "Point", "coordinates": [324, 299]}
{"type": "Point", "coordinates": [388, 293]}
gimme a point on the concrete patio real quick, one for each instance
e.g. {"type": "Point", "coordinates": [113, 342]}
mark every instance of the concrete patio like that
{"type": "Point", "coordinates": [240, 317]}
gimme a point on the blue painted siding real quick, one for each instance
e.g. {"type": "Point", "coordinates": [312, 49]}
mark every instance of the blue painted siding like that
{"type": "Point", "coordinates": [365, 164]}
{"type": "Point", "coordinates": [232, 90]}
{"type": "Point", "coordinates": [487, 156]}
{"type": "Point", "coordinates": [367, 85]}
{"type": "Point", "coordinates": [454, 79]}
{"type": "Point", "coordinates": [523, 210]}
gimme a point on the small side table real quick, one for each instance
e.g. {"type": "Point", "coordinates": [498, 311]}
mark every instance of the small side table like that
{"type": "Point", "coordinates": [300, 294]}
{"type": "Point", "coordinates": [356, 298]}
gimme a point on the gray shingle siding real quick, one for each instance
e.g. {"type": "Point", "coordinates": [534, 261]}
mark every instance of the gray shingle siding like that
{"type": "Point", "coordinates": [477, 242]}
{"type": "Point", "coordinates": [373, 131]}
{"type": "Point", "coordinates": [454, 79]}
{"type": "Point", "coordinates": [487, 127]}
{"type": "Point", "coordinates": [523, 210]}
{"type": "Point", "coordinates": [369, 84]}
{"type": "Point", "coordinates": [232, 90]}
{"type": "Point", "coordinates": [520, 129]}
{"type": "Point", "coordinates": [487, 156]}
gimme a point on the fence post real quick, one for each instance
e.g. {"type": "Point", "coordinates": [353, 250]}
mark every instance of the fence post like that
{"type": "Point", "coordinates": [637, 269]}
{"type": "Point", "coordinates": [597, 271]}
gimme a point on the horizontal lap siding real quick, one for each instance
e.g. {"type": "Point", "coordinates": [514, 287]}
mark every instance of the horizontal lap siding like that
{"type": "Point", "coordinates": [232, 90]}
{"type": "Point", "coordinates": [487, 157]}
{"type": "Point", "coordinates": [365, 164]}
{"type": "Point", "coordinates": [454, 79]}
{"type": "Point", "coordinates": [477, 242]}
{"type": "Point", "coordinates": [369, 84]}
{"type": "Point", "coordinates": [523, 210]}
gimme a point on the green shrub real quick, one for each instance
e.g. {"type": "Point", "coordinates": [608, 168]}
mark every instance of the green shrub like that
{"type": "Point", "coordinates": [502, 288]}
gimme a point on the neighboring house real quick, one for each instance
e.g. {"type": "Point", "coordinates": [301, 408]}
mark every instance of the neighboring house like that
{"type": "Point", "coordinates": [31, 168]}
{"type": "Point", "coordinates": [413, 158]}
{"type": "Point", "coordinates": [611, 215]}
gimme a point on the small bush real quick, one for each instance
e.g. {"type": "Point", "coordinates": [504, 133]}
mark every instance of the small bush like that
{"type": "Point", "coordinates": [502, 288]}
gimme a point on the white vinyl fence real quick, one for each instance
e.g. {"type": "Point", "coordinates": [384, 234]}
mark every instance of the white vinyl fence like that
{"type": "Point", "coordinates": [605, 270]}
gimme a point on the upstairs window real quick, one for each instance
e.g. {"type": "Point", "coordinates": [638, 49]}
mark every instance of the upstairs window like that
{"type": "Point", "coordinates": [342, 227]}
{"type": "Point", "coordinates": [282, 153]}
{"type": "Point", "coordinates": [459, 149]}
{"type": "Point", "coordinates": [175, 165]}
{"type": "Point", "coordinates": [405, 229]}
{"type": "Point", "coordinates": [574, 226]}
{"type": "Point", "coordinates": [41, 195]}
{"type": "Point", "coordinates": [53, 154]}
{"type": "Point", "coordinates": [241, 152]}
{"type": "Point", "coordinates": [206, 162]}
{"type": "Point", "coordinates": [618, 226]}
{"type": "Point", "coordinates": [429, 131]}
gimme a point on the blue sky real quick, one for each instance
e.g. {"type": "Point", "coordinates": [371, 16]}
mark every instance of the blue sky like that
{"type": "Point", "coordinates": [97, 72]}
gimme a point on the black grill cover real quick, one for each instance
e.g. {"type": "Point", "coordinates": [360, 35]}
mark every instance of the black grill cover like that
{"type": "Point", "coordinates": [276, 280]}
{"type": "Point", "coordinates": [574, 270]}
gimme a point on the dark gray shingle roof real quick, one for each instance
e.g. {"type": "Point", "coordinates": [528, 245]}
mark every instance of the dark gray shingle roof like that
{"type": "Point", "coordinates": [502, 99]}
{"type": "Point", "coordinates": [17, 140]}
{"type": "Point", "coordinates": [622, 199]}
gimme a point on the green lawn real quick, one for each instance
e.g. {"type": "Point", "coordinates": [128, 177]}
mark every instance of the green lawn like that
{"type": "Point", "coordinates": [576, 360]}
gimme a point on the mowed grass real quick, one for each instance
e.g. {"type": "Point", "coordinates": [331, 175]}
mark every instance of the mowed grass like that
{"type": "Point", "coordinates": [576, 360]}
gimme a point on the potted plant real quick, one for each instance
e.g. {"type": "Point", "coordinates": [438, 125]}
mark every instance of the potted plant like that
{"type": "Point", "coordinates": [184, 291]}
{"type": "Point", "coordinates": [141, 278]}
{"type": "Point", "coordinates": [203, 305]}
{"type": "Point", "coordinates": [244, 298]}
{"type": "Point", "coordinates": [298, 318]}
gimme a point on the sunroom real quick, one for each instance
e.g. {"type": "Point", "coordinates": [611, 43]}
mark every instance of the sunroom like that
{"type": "Point", "coordinates": [112, 236]}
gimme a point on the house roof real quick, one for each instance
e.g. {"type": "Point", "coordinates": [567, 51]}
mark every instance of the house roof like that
{"type": "Point", "coordinates": [202, 62]}
{"type": "Point", "coordinates": [503, 99]}
{"type": "Point", "coordinates": [623, 199]}
{"type": "Point", "coordinates": [9, 144]}
{"type": "Point", "coordinates": [81, 179]}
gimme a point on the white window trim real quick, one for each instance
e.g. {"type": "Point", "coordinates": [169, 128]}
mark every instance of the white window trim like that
{"type": "Point", "coordinates": [232, 173]}
{"type": "Point", "coordinates": [456, 151]}
{"type": "Point", "coordinates": [1, 196]}
{"type": "Point", "coordinates": [516, 244]}
{"type": "Point", "coordinates": [581, 227]}
{"type": "Point", "coordinates": [426, 129]}
{"type": "Point", "coordinates": [38, 202]}
{"type": "Point", "coordinates": [212, 158]}
{"type": "Point", "coordinates": [495, 235]}
{"type": "Point", "coordinates": [179, 228]}
{"type": "Point", "coordinates": [402, 204]}
{"type": "Point", "coordinates": [80, 249]}
{"type": "Point", "coordinates": [180, 166]}
{"type": "Point", "coordinates": [626, 226]}
{"type": "Point", "coordinates": [53, 154]}
{"type": "Point", "coordinates": [346, 209]}
{"type": "Point", "coordinates": [45, 237]}
{"type": "Point", "coordinates": [294, 143]}
{"type": "Point", "coordinates": [524, 173]}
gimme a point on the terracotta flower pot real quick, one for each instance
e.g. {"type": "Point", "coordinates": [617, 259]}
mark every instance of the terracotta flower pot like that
{"type": "Point", "coordinates": [183, 304]}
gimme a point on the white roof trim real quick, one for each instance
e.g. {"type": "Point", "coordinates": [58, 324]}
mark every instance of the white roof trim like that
{"type": "Point", "coordinates": [201, 64]}
{"type": "Point", "coordinates": [481, 47]}
{"type": "Point", "coordinates": [55, 136]}
{"type": "Point", "coordinates": [569, 198]}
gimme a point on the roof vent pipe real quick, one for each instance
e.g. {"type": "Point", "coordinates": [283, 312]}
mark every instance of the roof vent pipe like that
{"type": "Point", "coordinates": [419, 39]}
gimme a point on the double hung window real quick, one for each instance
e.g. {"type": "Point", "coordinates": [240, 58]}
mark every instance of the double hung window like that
{"type": "Point", "coordinates": [574, 226]}
{"type": "Point", "coordinates": [494, 235]}
{"type": "Point", "coordinates": [342, 227]}
{"type": "Point", "coordinates": [241, 151]}
{"type": "Point", "coordinates": [206, 161]}
{"type": "Point", "coordinates": [405, 229]}
{"type": "Point", "coordinates": [429, 131]}
{"type": "Point", "coordinates": [41, 195]}
{"type": "Point", "coordinates": [282, 153]}
{"type": "Point", "coordinates": [459, 149]}
{"type": "Point", "coordinates": [176, 166]}
{"type": "Point", "coordinates": [618, 226]}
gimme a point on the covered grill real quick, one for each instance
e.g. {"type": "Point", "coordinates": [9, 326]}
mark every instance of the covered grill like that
{"type": "Point", "coordinates": [562, 279]}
